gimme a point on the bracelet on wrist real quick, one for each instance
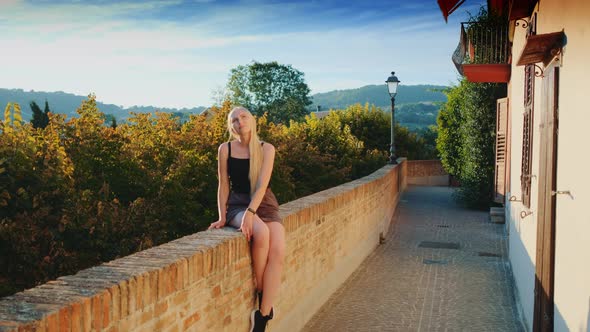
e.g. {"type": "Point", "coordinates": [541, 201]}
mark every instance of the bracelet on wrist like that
{"type": "Point", "coordinates": [251, 210]}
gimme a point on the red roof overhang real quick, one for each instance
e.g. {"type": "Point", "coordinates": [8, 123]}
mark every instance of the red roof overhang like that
{"type": "Point", "coordinates": [497, 6]}
{"type": "Point", "coordinates": [449, 6]}
{"type": "Point", "coordinates": [521, 8]}
{"type": "Point", "coordinates": [517, 8]}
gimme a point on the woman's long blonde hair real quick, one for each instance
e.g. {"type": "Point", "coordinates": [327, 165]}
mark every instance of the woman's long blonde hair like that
{"type": "Point", "coordinates": [254, 146]}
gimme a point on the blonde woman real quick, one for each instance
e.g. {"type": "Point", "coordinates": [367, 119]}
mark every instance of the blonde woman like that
{"type": "Point", "coordinates": [246, 202]}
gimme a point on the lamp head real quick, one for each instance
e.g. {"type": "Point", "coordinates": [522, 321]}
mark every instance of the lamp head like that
{"type": "Point", "coordinates": [392, 83]}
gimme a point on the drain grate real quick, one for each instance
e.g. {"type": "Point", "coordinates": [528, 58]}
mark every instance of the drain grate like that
{"type": "Point", "coordinates": [443, 226]}
{"type": "Point", "coordinates": [439, 245]}
{"type": "Point", "coordinates": [433, 261]}
{"type": "Point", "coordinates": [487, 254]}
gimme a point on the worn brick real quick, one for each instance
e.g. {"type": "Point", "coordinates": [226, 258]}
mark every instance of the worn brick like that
{"type": "Point", "coordinates": [113, 329]}
{"type": "Point", "coordinates": [162, 284]}
{"type": "Point", "coordinates": [76, 316]}
{"type": "Point", "coordinates": [172, 278]}
{"type": "Point", "coordinates": [115, 293]}
{"type": "Point", "coordinates": [179, 298]}
{"type": "Point", "coordinates": [160, 308]}
{"type": "Point", "coordinates": [183, 278]}
{"type": "Point", "coordinates": [139, 293]}
{"type": "Point", "coordinates": [97, 308]}
{"type": "Point", "coordinates": [52, 323]}
{"type": "Point", "coordinates": [216, 291]}
{"type": "Point", "coordinates": [207, 262]}
{"type": "Point", "coordinates": [123, 300]}
{"type": "Point", "coordinates": [65, 319]}
{"type": "Point", "coordinates": [195, 267]}
{"type": "Point", "coordinates": [86, 314]}
{"type": "Point", "coordinates": [146, 316]}
{"type": "Point", "coordinates": [227, 320]}
{"type": "Point", "coordinates": [173, 328]}
{"type": "Point", "coordinates": [153, 293]}
{"type": "Point", "coordinates": [164, 321]}
{"type": "Point", "coordinates": [32, 327]}
{"type": "Point", "coordinates": [107, 308]}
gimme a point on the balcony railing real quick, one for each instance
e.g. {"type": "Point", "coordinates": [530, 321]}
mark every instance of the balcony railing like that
{"type": "Point", "coordinates": [483, 54]}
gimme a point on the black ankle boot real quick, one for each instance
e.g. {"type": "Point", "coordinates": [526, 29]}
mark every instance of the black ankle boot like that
{"type": "Point", "coordinates": [259, 321]}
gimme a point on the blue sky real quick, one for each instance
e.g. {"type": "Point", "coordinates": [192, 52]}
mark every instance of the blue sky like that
{"type": "Point", "coordinates": [178, 53]}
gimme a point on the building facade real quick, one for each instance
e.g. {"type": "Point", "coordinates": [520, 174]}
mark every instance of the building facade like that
{"type": "Point", "coordinates": [541, 151]}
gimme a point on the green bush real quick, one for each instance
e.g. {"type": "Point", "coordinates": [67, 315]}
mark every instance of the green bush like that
{"type": "Point", "coordinates": [466, 139]}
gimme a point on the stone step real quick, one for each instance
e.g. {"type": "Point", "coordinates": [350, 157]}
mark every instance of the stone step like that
{"type": "Point", "coordinates": [497, 215]}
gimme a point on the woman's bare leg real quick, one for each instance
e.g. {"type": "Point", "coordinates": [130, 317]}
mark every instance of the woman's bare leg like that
{"type": "Point", "coordinates": [260, 247]}
{"type": "Point", "coordinates": [274, 267]}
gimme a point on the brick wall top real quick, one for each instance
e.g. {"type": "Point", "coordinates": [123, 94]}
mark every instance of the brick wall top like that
{"type": "Point", "coordinates": [420, 168]}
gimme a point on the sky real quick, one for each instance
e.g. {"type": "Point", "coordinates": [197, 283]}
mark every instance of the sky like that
{"type": "Point", "coordinates": [179, 53]}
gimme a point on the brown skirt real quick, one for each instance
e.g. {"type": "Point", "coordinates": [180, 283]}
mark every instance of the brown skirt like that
{"type": "Point", "coordinates": [268, 210]}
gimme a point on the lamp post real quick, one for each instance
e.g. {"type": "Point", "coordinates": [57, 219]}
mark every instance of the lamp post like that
{"type": "Point", "coordinates": [392, 83]}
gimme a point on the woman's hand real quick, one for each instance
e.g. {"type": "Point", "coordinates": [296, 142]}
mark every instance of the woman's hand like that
{"type": "Point", "coordinates": [247, 225]}
{"type": "Point", "coordinates": [218, 224]}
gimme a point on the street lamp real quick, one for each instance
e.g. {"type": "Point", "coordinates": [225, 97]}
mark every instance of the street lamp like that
{"type": "Point", "coordinates": [392, 83]}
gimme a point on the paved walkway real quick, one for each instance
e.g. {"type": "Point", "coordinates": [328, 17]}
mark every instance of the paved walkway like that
{"type": "Point", "coordinates": [407, 285]}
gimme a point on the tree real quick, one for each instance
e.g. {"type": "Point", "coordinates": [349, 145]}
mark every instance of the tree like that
{"type": "Point", "coordinates": [40, 118]}
{"type": "Point", "coordinates": [450, 122]}
{"type": "Point", "coordinates": [278, 90]}
{"type": "Point", "coordinates": [467, 136]}
{"type": "Point", "coordinates": [110, 118]}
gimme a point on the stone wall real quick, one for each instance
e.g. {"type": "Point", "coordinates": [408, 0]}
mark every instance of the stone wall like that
{"type": "Point", "coordinates": [427, 172]}
{"type": "Point", "coordinates": [204, 281]}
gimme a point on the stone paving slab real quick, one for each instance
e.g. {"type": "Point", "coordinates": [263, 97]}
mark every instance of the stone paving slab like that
{"type": "Point", "coordinates": [405, 287]}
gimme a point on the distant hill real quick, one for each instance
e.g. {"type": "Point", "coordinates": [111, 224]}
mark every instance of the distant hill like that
{"type": "Point", "coordinates": [378, 95]}
{"type": "Point", "coordinates": [67, 103]}
{"type": "Point", "coordinates": [416, 106]}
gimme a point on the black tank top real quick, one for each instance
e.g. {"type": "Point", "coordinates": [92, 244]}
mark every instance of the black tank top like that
{"type": "Point", "coordinates": [238, 170]}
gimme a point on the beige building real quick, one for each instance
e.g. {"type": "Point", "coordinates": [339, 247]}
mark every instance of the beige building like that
{"type": "Point", "coordinates": [542, 155]}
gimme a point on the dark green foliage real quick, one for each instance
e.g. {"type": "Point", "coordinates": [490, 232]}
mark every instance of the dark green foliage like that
{"type": "Point", "coordinates": [467, 136]}
{"type": "Point", "coordinates": [278, 90]}
{"type": "Point", "coordinates": [40, 118]}
{"type": "Point", "coordinates": [450, 124]}
{"type": "Point", "coordinates": [415, 145]}
{"type": "Point", "coordinates": [429, 135]}
{"type": "Point", "coordinates": [419, 115]}
{"type": "Point", "coordinates": [372, 126]}
{"type": "Point", "coordinates": [111, 120]}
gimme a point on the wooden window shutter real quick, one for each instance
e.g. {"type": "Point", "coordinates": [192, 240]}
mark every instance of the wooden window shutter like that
{"type": "Point", "coordinates": [501, 149]}
{"type": "Point", "coordinates": [527, 135]}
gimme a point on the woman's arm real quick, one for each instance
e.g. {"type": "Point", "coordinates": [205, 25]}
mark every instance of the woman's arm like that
{"type": "Point", "coordinates": [223, 187]}
{"type": "Point", "coordinates": [268, 155]}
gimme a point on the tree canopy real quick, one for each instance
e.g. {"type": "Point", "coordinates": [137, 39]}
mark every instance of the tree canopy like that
{"type": "Point", "coordinates": [278, 90]}
{"type": "Point", "coordinates": [40, 118]}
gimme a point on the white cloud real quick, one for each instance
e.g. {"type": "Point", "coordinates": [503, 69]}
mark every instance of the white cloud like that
{"type": "Point", "coordinates": [89, 48]}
